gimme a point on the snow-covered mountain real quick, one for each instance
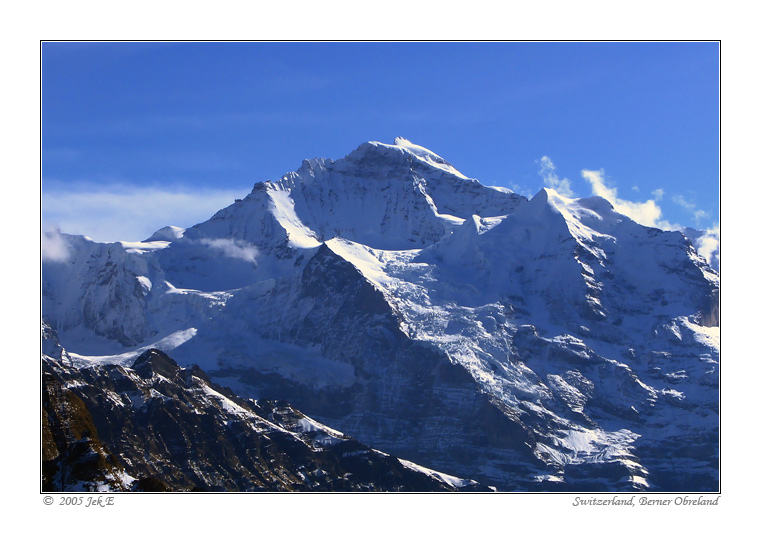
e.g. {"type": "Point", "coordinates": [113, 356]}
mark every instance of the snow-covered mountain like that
{"type": "Point", "coordinates": [545, 344]}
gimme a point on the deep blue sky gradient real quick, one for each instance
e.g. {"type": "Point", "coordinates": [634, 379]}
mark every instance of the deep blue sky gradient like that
{"type": "Point", "coordinates": [227, 115]}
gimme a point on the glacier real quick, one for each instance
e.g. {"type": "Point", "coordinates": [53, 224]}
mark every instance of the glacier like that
{"type": "Point", "coordinates": [550, 344]}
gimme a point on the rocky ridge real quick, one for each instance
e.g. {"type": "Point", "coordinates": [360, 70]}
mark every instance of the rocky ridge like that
{"type": "Point", "coordinates": [155, 426]}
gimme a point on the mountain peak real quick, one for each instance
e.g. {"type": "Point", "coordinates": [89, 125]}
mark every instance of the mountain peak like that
{"type": "Point", "coordinates": [167, 233]}
{"type": "Point", "coordinates": [421, 152]}
{"type": "Point", "coordinates": [408, 151]}
{"type": "Point", "coordinates": [153, 362]}
{"type": "Point", "coordinates": [343, 283]}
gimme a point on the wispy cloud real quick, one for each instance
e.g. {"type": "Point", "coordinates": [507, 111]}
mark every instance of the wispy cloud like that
{"type": "Point", "coordinates": [521, 190]}
{"type": "Point", "coordinates": [679, 199]}
{"type": "Point", "coordinates": [709, 246]}
{"type": "Point", "coordinates": [54, 247]}
{"type": "Point", "coordinates": [551, 180]}
{"type": "Point", "coordinates": [647, 213]}
{"type": "Point", "coordinates": [697, 214]}
{"type": "Point", "coordinates": [233, 248]}
{"type": "Point", "coordinates": [128, 213]}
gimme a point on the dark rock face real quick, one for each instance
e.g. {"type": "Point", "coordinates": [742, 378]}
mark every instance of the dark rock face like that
{"type": "Point", "coordinates": [159, 427]}
{"type": "Point", "coordinates": [407, 398]}
{"type": "Point", "coordinates": [73, 456]}
{"type": "Point", "coordinates": [113, 294]}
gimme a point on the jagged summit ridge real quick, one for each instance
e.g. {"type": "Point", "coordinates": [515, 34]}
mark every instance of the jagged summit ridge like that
{"type": "Point", "coordinates": [424, 153]}
{"type": "Point", "coordinates": [387, 196]}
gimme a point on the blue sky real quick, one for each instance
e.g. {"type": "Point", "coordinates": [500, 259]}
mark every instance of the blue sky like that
{"type": "Point", "coordinates": [135, 136]}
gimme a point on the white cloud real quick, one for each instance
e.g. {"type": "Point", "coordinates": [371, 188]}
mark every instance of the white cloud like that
{"type": "Point", "coordinates": [679, 199]}
{"type": "Point", "coordinates": [700, 215]}
{"type": "Point", "coordinates": [54, 247]}
{"type": "Point", "coordinates": [697, 214]}
{"type": "Point", "coordinates": [709, 246]}
{"type": "Point", "coordinates": [551, 180]}
{"type": "Point", "coordinates": [233, 248]}
{"type": "Point", "coordinates": [647, 213]}
{"type": "Point", "coordinates": [128, 213]}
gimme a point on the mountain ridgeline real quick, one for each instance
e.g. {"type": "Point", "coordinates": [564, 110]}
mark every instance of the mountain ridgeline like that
{"type": "Point", "coordinates": [550, 344]}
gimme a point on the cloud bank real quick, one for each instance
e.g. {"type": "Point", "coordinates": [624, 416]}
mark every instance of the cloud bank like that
{"type": "Point", "coordinates": [128, 213]}
{"type": "Point", "coordinates": [647, 213]}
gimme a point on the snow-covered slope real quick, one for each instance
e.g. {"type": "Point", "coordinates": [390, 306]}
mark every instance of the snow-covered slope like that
{"type": "Point", "coordinates": [543, 344]}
